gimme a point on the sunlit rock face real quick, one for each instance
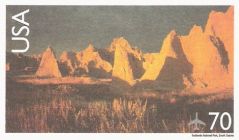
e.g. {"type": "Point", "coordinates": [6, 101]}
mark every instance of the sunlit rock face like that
{"type": "Point", "coordinates": [211, 52]}
{"type": "Point", "coordinates": [128, 63]}
{"type": "Point", "coordinates": [86, 62]}
{"type": "Point", "coordinates": [220, 28]}
{"type": "Point", "coordinates": [199, 61]}
{"type": "Point", "coordinates": [170, 67]}
{"type": "Point", "coordinates": [48, 66]}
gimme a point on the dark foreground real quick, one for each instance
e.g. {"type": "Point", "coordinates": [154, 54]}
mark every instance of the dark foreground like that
{"type": "Point", "coordinates": [97, 108]}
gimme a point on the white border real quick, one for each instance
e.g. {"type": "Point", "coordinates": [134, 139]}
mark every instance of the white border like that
{"type": "Point", "coordinates": [103, 136]}
{"type": "Point", "coordinates": [236, 69]}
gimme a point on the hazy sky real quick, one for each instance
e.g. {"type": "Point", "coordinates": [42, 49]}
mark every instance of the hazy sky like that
{"type": "Point", "coordinates": [74, 27]}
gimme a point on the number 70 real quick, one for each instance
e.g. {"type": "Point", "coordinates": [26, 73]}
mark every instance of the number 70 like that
{"type": "Point", "coordinates": [216, 114]}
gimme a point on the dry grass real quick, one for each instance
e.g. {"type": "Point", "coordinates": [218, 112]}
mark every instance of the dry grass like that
{"type": "Point", "coordinates": [60, 115]}
{"type": "Point", "coordinates": [66, 108]}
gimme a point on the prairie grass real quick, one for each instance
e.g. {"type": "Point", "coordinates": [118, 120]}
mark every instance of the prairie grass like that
{"type": "Point", "coordinates": [66, 108]}
{"type": "Point", "coordinates": [60, 115]}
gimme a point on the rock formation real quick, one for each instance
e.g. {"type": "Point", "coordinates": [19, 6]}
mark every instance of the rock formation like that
{"type": "Point", "coordinates": [91, 61]}
{"type": "Point", "coordinates": [200, 61]}
{"type": "Point", "coordinates": [128, 64]}
{"type": "Point", "coordinates": [48, 66]}
{"type": "Point", "coordinates": [211, 52]}
{"type": "Point", "coordinates": [86, 62]}
{"type": "Point", "coordinates": [220, 28]}
{"type": "Point", "coordinates": [68, 63]}
{"type": "Point", "coordinates": [170, 66]}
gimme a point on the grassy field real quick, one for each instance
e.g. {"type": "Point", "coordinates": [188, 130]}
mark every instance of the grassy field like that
{"type": "Point", "coordinates": [97, 108]}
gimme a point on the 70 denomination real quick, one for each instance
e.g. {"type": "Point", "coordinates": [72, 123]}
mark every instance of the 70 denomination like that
{"type": "Point", "coordinates": [221, 117]}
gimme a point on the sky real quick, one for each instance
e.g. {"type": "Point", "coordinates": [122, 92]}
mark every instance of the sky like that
{"type": "Point", "coordinates": [72, 28]}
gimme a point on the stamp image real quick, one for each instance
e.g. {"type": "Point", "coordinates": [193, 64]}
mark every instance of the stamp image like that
{"type": "Point", "coordinates": [119, 69]}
